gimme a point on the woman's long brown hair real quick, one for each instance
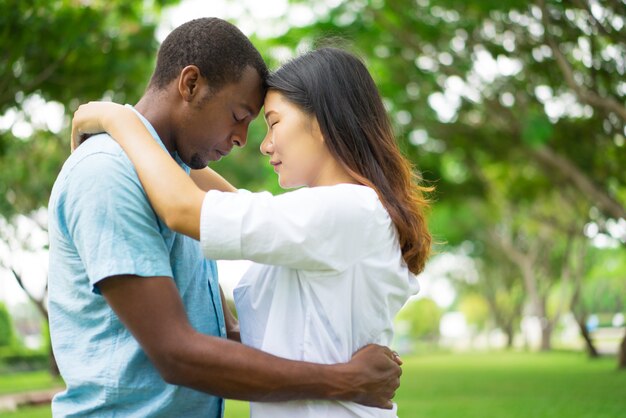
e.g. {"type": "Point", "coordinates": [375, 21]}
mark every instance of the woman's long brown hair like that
{"type": "Point", "coordinates": [335, 87]}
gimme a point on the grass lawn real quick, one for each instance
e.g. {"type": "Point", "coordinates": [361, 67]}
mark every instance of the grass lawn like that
{"type": "Point", "coordinates": [505, 385]}
{"type": "Point", "coordinates": [490, 385]}
{"type": "Point", "coordinates": [20, 382]}
{"type": "Point", "coordinates": [512, 385]}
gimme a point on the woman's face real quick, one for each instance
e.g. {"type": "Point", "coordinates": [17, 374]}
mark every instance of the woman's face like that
{"type": "Point", "coordinates": [294, 143]}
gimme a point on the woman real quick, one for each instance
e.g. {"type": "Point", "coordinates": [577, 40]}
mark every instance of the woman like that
{"type": "Point", "coordinates": [337, 258]}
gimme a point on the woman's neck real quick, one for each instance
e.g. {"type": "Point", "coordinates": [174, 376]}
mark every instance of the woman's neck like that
{"type": "Point", "coordinates": [334, 173]}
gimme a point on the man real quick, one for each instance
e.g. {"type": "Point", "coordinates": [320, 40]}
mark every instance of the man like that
{"type": "Point", "coordinates": [136, 315]}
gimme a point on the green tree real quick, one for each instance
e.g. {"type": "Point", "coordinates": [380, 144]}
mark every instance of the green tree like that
{"type": "Point", "coordinates": [532, 89]}
{"type": "Point", "coordinates": [601, 288]}
{"type": "Point", "coordinates": [475, 309]}
{"type": "Point", "coordinates": [7, 333]}
{"type": "Point", "coordinates": [55, 55]}
{"type": "Point", "coordinates": [422, 318]}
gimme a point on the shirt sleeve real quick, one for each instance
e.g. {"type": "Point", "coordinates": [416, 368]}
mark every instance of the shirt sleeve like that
{"type": "Point", "coordinates": [110, 222]}
{"type": "Point", "coordinates": [322, 228]}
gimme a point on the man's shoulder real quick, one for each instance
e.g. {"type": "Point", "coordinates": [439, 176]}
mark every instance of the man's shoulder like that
{"type": "Point", "coordinates": [99, 165]}
{"type": "Point", "coordinates": [99, 158]}
{"type": "Point", "coordinates": [98, 147]}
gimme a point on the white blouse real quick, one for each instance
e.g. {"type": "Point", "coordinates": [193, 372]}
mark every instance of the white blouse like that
{"type": "Point", "coordinates": [331, 278]}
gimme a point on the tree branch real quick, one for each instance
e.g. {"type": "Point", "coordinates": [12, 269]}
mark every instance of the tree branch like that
{"type": "Point", "coordinates": [38, 303]}
{"type": "Point", "coordinates": [584, 94]}
{"type": "Point", "coordinates": [607, 204]}
{"type": "Point", "coordinates": [596, 23]}
{"type": "Point", "coordinates": [40, 78]}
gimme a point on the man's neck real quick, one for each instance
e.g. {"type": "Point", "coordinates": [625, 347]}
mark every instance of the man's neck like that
{"type": "Point", "coordinates": [154, 107]}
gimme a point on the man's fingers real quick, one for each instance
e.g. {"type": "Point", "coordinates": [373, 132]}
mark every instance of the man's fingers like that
{"type": "Point", "coordinates": [386, 370]}
{"type": "Point", "coordinates": [396, 358]}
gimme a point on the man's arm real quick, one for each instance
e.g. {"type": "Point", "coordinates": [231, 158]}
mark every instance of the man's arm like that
{"type": "Point", "coordinates": [232, 323]}
{"type": "Point", "coordinates": [151, 309]}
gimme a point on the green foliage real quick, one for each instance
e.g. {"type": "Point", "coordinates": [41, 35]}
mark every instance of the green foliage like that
{"type": "Point", "coordinates": [537, 129]}
{"type": "Point", "coordinates": [17, 358]}
{"type": "Point", "coordinates": [476, 310]}
{"type": "Point", "coordinates": [605, 289]}
{"type": "Point", "coordinates": [66, 52]}
{"type": "Point", "coordinates": [45, 337]}
{"type": "Point", "coordinates": [515, 139]}
{"type": "Point", "coordinates": [14, 356]}
{"type": "Point", "coordinates": [421, 51]}
{"type": "Point", "coordinates": [421, 317]}
{"type": "Point", "coordinates": [7, 333]}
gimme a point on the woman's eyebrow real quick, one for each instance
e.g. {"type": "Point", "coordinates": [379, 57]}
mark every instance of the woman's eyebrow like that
{"type": "Point", "coordinates": [267, 114]}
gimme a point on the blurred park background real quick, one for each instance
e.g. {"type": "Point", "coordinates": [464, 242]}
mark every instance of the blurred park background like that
{"type": "Point", "coordinates": [514, 110]}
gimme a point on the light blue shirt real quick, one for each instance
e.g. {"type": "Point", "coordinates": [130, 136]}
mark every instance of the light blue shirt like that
{"type": "Point", "coordinates": [101, 224]}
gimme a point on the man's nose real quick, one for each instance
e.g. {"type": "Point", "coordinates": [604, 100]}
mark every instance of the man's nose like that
{"type": "Point", "coordinates": [240, 138]}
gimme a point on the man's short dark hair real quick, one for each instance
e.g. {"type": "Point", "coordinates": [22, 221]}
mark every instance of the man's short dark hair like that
{"type": "Point", "coordinates": [219, 50]}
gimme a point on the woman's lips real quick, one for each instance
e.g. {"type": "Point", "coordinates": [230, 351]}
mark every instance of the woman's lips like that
{"type": "Point", "coordinates": [276, 164]}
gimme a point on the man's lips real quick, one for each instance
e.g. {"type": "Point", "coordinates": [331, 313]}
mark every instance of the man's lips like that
{"type": "Point", "coordinates": [222, 153]}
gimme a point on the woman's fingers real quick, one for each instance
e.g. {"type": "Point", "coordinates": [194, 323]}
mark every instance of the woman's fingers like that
{"type": "Point", "coordinates": [85, 123]}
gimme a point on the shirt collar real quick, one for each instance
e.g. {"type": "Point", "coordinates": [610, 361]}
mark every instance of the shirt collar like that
{"type": "Point", "coordinates": [157, 138]}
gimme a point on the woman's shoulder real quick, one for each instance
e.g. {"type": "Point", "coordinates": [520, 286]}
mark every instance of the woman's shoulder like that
{"type": "Point", "coordinates": [346, 195]}
{"type": "Point", "coordinates": [349, 205]}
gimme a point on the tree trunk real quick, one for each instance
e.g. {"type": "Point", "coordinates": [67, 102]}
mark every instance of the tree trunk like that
{"type": "Point", "coordinates": [591, 349]}
{"type": "Point", "coordinates": [41, 307]}
{"type": "Point", "coordinates": [509, 336]}
{"type": "Point", "coordinates": [546, 334]}
{"type": "Point", "coordinates": [621, 358]}
{"type": "Point", "coordinates": [53, 368]}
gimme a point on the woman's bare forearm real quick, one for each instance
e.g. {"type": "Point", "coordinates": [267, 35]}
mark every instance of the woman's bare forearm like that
{"type": "Point", "coordinates": [208, 179]}
{"type": "Point", "coordinates": [173, 195]}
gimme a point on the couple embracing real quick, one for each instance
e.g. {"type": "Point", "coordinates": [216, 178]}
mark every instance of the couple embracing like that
{"type": "Point", "coordinates": [139, 324]}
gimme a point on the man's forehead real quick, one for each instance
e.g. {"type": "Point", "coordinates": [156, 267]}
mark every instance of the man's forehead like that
{"type": "Point", "coordinates": [253, 103]}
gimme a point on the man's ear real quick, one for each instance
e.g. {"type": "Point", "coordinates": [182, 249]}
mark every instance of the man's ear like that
{"type": "Point", "coordinates": [188, 82]}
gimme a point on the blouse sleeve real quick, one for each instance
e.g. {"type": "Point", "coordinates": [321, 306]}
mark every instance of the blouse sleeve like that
{"type": "Point", "coordinates": [322, 228]}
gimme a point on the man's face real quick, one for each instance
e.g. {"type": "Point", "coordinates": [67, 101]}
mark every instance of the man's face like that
{"type": "Point", "coordinates": [212, 123]}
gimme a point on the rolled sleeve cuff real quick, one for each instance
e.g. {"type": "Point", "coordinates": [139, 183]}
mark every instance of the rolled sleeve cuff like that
{"type": "Point", "coordinates": [141, 267]}
{"type": "Point", "coordinates": [220, 224]}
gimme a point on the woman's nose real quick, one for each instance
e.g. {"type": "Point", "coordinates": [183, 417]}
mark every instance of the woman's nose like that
{"type": "Point", "coordinates": [267, 146]}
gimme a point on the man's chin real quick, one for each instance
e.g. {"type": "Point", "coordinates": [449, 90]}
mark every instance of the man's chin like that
{"type": "Point", "coordinates": [197, 162]}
